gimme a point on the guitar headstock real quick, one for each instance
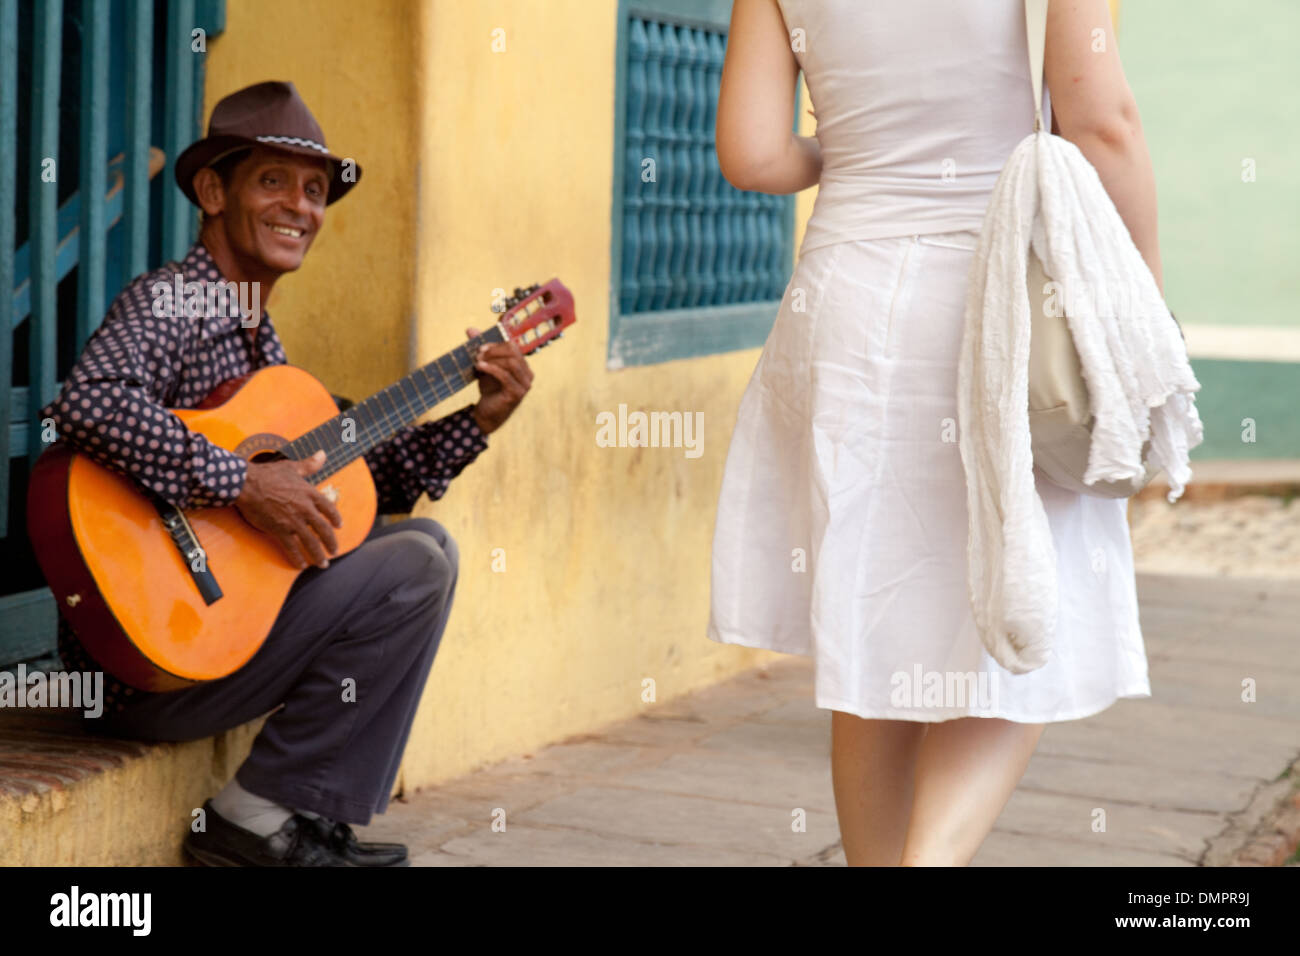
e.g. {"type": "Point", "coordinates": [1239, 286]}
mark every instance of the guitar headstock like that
{"type": "Point", "coordinates": [538, 314]}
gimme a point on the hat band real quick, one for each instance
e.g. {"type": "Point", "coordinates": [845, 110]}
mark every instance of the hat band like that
{"type": "Point", "coordinates": [294, 141]}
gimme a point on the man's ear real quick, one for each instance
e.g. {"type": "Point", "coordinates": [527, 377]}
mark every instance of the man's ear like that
{"type": "Point", "coordinates": [209, 191]}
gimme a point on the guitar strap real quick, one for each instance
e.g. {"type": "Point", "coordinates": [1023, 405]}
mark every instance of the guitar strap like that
{"type": "Point", "coordinates": [191, 551]}
{"type": "Point", "coordinates": [173, 519]}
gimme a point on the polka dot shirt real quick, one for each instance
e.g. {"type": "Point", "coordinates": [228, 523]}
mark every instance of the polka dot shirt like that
{"type": "Point", "coordinates": [149, 355]}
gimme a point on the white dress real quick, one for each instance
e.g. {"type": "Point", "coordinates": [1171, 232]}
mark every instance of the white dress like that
{"type": "Point", "coordinates": [841, 528]}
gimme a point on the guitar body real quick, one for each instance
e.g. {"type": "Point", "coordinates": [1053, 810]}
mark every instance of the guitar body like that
{"type": "Point", "coordinates": [120, 579]}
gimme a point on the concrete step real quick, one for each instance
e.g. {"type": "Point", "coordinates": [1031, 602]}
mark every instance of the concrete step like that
{"type": "Point", "coordinates": [68, 798]}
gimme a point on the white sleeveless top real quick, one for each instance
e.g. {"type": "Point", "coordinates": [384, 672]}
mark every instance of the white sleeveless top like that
{"type": "Point", "coordinates": [918, 103]}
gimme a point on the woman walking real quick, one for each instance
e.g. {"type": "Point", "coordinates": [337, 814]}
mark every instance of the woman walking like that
{"type": "Point", "coordinates": [842, 521]}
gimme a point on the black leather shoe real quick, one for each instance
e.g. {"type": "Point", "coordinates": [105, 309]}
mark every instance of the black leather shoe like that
{"type": "Point", "coordinates": [340, 838]}
{"type": "Point", "coordinates": [299, 842]}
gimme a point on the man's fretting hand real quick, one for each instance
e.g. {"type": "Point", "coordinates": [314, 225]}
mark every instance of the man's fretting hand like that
{"type": "Point", "coordinates": [279, 500]}
{"type": "Point", "coordinates": [503, 379]}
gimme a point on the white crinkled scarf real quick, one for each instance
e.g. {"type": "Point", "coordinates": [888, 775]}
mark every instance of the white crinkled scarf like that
{"type": "Point", "coordinates": [1140, 383]}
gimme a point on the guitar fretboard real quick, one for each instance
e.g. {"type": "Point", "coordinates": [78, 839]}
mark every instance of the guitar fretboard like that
{"type": "Point", "coordinates": [350, 434]}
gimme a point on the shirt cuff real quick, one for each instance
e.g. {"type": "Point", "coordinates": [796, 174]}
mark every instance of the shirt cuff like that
{"type": "Point", "coordinates": [219, 475]}
{"type": "Point", "coordinates": [459, 438]}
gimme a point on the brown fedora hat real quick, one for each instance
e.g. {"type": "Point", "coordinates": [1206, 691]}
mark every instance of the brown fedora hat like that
{"type": "Point", "coordinates": [268, 114]}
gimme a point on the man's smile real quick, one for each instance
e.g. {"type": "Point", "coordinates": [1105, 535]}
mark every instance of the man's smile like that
{"type": "Point", "coordinates": [288, 231]}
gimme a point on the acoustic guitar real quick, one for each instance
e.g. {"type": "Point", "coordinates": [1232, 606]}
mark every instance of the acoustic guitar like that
{"type": "Point", "coordinates": [166, 599]}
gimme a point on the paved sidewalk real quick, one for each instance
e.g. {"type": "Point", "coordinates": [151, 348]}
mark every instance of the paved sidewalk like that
{"type": "Point", "coordinates": [1190, 776]}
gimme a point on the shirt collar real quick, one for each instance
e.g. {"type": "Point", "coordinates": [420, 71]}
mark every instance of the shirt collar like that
{"type": "Point", "coordinates": [199, 266]}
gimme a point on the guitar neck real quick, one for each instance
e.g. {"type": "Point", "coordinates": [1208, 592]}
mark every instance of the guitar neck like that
{"type": "Point", "coordinates": [351, 434]}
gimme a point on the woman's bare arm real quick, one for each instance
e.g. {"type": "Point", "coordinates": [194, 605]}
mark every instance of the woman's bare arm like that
{"type": "Point", "coordinates": [1094, 108]}
{"type": "Point", "coordinates": [757, 147]}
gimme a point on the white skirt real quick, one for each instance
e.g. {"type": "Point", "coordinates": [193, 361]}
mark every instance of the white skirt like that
{"type": "Point", "coordinates": [842, 527]}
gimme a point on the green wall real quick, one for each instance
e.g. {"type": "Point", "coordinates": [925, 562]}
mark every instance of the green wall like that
{"type": "Point", "coordinates": [1217, 83]}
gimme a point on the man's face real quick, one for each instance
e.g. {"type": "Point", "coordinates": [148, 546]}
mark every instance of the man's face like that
{"type": "Point", "coordinates": [274, 206]}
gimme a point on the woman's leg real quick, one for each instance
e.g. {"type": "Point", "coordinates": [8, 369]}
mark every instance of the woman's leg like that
{"type": "Point", "coordinates": [872, 762]}
{"type": "Point", "coordinates": [965, 773]}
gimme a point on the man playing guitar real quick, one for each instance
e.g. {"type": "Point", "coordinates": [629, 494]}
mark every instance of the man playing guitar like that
{"type": "Point", "coordinates": [344, 666]}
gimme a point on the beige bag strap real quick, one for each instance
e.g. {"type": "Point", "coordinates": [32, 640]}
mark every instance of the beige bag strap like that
{"type": "Point", "coordinates": [1036, 31]}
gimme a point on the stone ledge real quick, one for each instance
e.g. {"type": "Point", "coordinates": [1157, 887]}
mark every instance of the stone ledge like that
{"type": "Point", "coordinates": [47, 751]}
{"type": "Point", "coordinates": [1218, 479]}
{"type": "Point", "coordinates": [68, 798]}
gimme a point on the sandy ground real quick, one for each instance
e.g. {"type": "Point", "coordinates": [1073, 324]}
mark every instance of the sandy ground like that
{"type": "Point", "coordinates": [1251, 536]}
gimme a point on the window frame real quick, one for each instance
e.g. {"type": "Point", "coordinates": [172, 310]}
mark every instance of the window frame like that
{"type": "Point", "coordinates": [649, 338]}
{"type": "Point", "coordinates": [175, 78]}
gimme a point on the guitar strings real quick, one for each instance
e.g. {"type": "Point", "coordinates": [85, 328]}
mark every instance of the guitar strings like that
{"type": "Point", "coordinates": [374, 431]}
{"type": "Point", "coordinates": [376, 423]}
{"type": "Point", "coordinates": [377, 431]}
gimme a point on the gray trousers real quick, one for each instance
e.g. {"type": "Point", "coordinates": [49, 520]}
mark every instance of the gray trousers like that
{"type": "Point", "coordinates": [342, 669]}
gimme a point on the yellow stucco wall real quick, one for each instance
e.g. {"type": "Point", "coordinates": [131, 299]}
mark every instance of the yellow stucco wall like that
{"type": "Point", "coordinates": [607, 549]}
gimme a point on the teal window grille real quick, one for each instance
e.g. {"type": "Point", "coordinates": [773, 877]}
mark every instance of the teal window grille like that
{"type": "Point", "coordinates": [698, 266]}
{"type": "Point", "coordinates": [96, 101]}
